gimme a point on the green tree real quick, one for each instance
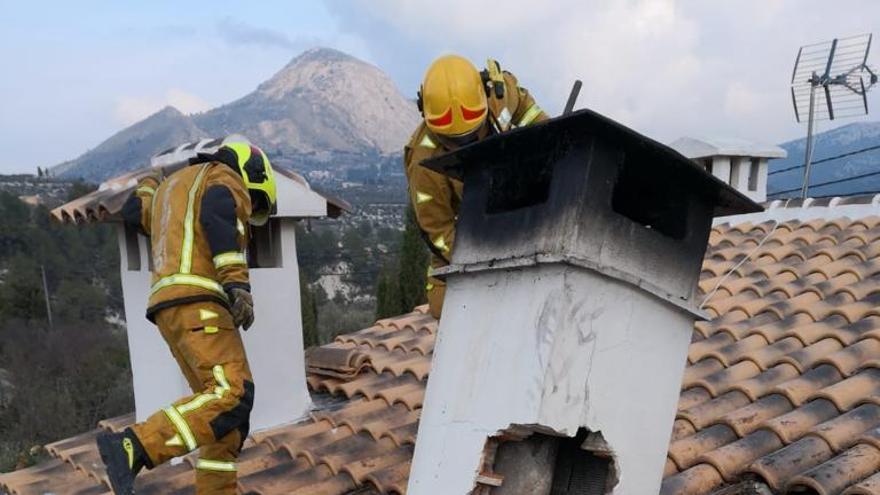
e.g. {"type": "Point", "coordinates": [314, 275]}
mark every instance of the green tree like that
{"type": "Point", "coordinates": [387, 294]}
{"type": "Point", "coordinates": [413, 265]}
{"type": "Point", "coordinates": [21, 294]}
{"type": "Point", "coordinates": [309, 312]}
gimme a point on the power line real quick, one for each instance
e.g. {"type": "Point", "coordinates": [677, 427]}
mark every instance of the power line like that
{"type": "Point", "coordinates": [844, 155]}
{"type": "Point", "coordinates": [830, 182]}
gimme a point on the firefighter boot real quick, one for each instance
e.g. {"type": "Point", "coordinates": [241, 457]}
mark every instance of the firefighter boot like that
{"type": "Point", "coordinates": [124, 457]}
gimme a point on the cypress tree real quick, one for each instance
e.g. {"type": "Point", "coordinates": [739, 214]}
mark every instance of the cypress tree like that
{"type": "Point", "coordinates": [413, 266]}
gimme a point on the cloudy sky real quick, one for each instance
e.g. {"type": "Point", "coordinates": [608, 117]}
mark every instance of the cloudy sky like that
{"type": "Point", "coordinates": [76, 72]}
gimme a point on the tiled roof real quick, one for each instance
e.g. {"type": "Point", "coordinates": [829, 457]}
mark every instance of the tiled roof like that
{"type": "Point", "coordinates": [358, 441]}
{"type": "Point", "coordinates": [782, 386]}
{"type": "Point", "coordinates": [105, 203]}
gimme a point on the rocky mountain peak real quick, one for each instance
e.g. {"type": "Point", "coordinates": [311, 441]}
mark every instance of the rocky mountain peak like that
{"type": "Point", "coordinates": [323, 109]}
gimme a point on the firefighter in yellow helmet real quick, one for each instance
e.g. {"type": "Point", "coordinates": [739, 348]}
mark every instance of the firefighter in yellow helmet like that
{"type": "Point", "coordinates": [460, 105]}
{"type": "Point", "coordinates": [197, 219]}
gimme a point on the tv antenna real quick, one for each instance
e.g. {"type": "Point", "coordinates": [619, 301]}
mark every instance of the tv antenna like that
{"type": "Point", "coordinates": [836, 73]}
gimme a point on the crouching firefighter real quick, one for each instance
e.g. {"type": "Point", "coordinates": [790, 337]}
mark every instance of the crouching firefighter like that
{"type": "Point", "coordinates": [196, 219]}
{"type": "Point", "coordinates": [460, 105]}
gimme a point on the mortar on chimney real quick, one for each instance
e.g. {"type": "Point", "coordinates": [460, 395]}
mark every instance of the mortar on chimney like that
{"type": "Point", "coordinates": [569, 309]}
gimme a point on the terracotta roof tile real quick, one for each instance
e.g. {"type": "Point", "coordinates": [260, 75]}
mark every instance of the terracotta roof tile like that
{"type": "Point", "coordinates": [795, 424]}
{"type": "Point", "coordinates": [836, 474]}
{"type": "Point", "coordinates": [844, 430]}
{"type": "Point", "coordinates": [783, 385]}
{"type": "Point", "coordinates": [868, 486]}
{"type": "Point", "coordinates": [780, 466]}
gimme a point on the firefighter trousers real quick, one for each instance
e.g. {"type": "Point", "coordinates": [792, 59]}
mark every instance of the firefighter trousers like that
{"type": "Point", "coordinates": [435, 289]}
{"type": "Point", "coordinates": [215, 419]}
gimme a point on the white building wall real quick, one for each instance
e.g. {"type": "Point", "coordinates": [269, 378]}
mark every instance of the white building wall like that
{"type": "Point", "coordinates": [156, 378]}
{"type": "Point", "coordinates": [558, 346]}
{"type": "Point", "coordinates": [721, 168]}
{"type": "Point", "coordinates": [740, 171]}
{"type": "Point", "coordinates": [274, 344]}
{"type": "Point", "coordinates": [760, 195]}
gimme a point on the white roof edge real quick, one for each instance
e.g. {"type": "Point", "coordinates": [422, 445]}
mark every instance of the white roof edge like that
{"type": "Point", "coordinates": [780, 211]}
{"type": "Point", "coordinates": [695, 148]}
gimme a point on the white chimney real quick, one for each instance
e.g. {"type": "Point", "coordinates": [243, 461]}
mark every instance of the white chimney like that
{"type": "Point", "coordinates": [738, 163]}
{"type": "Point", "coordinates": [274, 344]}
{"type": "Point", "coordinates": [568, 313]}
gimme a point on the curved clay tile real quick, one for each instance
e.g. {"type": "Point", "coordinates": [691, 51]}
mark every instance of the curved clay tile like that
{"type": "Point", "coordinates": [684, 452]}
{"type": "Point", "coordinates": [778, 467]}
{"type": "Point", "coordinates": [761, 385]}
{"type": "Point", "coordinates": [842, 432]}
{"type": "Point", "coordinates": [833, 476]}
{"type": "Point", "coordinates": [698, 480]}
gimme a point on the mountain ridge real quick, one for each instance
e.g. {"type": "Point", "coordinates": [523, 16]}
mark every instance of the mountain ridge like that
{"type": "Point", "coordinates": [834, 142]}
{"type": "Point", "coordinates": [323, 109]}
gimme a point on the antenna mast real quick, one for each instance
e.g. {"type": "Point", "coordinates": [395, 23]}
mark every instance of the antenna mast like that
{"type": "Point", "coordinates": [839, 69]}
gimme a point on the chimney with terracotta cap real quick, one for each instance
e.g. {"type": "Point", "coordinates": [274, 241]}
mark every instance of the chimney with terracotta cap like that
{"type": "Point", "coordinates": [568, 313]}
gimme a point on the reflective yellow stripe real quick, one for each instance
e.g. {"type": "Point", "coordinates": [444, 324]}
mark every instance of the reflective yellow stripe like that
{"type": "Point", "coordinates": [146, 189]}
{"type": "Point", "coordinates": [196, 403]}
{"type": "Point", "coordinates": [211, 330]}
{"type": "Point", "coordinates": [188, 223]}
{"type": "Point", "coordinates": [423, 197]}
{"type": "Point", "coordinates": [427, 143]}
{"type": "Point", "coordinates": [209, 465]}
{"type": "Point", "coordinates": [181, 427]}
{"type": "Point", "coordinates": [220, 376]}
{"type": "Point", "coordinates": [429, 286]}
{"type": "Point", "coordinates": [440, 243]}
{"type": "Point", "coordinates": [230, 258]}
{"type": "Point", "coordinates": [188, 279]}
{"type": "Point", "coordinates": [207, 314]}
{"type": "Point", "coordinates": [128, 446]}
{"type": "Point", "coordinates": [530, 115]}
{"type": "Point", "coordinates": [202, 399]}
{"type": "Point", "coordinates": [174, 441]}
{"type": "Point", "coordinates": [239, 226]}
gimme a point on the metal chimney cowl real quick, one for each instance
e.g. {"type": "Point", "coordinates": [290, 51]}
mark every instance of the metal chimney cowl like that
{"type": "Point", "coordinates": [570, 299]}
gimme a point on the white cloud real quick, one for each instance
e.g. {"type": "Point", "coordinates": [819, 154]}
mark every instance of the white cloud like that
{"type": "Point", "coordinates": [665, 67]}
{"type": "Point", "coordinates": [131, 109]}
{"type": "Point", "coordinates": [740, 100]}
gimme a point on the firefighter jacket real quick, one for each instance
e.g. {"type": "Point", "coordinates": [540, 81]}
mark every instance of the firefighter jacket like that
{"type": "Point", "coordinates": [196, 219]}
{"type": "Point", "coordinates": [436, 197]}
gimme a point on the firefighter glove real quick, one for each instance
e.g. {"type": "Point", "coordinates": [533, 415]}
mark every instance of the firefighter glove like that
{"type": "Point", "coordinates": [242, 304]}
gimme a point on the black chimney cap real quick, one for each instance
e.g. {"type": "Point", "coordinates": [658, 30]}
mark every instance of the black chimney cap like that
{"type": "Point", "coordinates": [586, 191]}
{"type": "Point", "coordinates": [663, 166]}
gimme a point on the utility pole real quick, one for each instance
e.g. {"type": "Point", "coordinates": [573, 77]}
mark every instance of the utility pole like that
{"type": "Point", "coordinates": [46, 294]}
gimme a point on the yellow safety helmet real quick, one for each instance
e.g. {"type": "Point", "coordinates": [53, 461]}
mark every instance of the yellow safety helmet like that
{"type": "Point", "coordinates": [255, 169]}
{"type": "Point", "coordinates": [453, 97]}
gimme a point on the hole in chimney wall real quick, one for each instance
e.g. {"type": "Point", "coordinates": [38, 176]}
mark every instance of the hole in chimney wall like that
{"type": "Point", "coordinates": [522, 460]}
{"type": "Point", "coordinates": [646, 196]}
